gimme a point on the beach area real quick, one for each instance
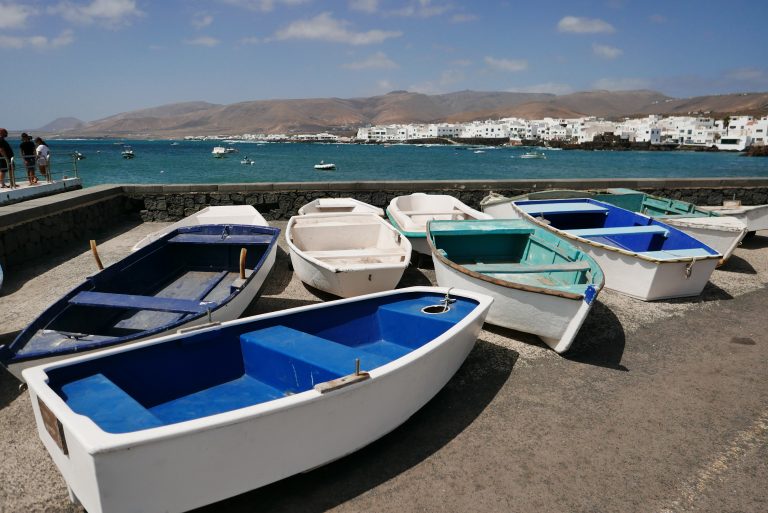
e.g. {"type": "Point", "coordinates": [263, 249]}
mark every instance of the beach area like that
{"type": "Point", "coordinates": [663, 406]}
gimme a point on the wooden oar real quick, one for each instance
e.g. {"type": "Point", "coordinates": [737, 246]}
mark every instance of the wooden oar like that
{"type": "Point", "coordinates": [243, 253]}
{"type": "Point", "coordinates": [96, 255]}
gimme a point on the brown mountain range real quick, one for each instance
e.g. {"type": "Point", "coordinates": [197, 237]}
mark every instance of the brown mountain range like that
{"type": "Point", "coordinates": [345, 115]}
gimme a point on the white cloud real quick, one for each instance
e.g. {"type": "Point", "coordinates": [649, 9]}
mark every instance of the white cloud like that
{"type": "Point", "coordinates": [369, 6]}
{"type": "Point", "coordinates": [546, 87]}
{"type": "Point", "coordinates": [622, 84]}
{"type": "Point", "coordinates": [262, 5]}
{"type": "Point", "coordinates": [108, 12]}
{"type": "Point", "coordinates": [14, 16]}
{"type": "Point", "coordinates": [745, 74]}
{"type": "Point", "coordinates": [379, 60]}
{"type": "Point", "coordinates": [384, 85]}
{"type": "Point", "coordinates": [203, 41]}
{"type": "Point", "coordinates": [324, 27]}
{"type": "Point", "coordinates": [606, 52]}
{"type": "Point", "coordinates": [511, 65]}
{"type": "Point", "coordinates": [37, 42]}
{"type": "Point", "coordinates": [202, 21]}
{"type": "Point", "coordinates": [463, 18]}
{"type": "Point", "coordinates": [422, 9]}
{"type": "Point", "coordinates": [576, 25]}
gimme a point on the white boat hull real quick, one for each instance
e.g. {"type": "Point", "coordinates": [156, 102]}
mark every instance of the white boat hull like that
{"type": "Point", "coordinates": [184, 466]}
{"type": "Point", "coordinates": [554, 319]}
{"type": "Point", "coordinates": [231, 310]}
{"type": "Point", "coordinates": [755, 217]}
{"type": "Point", "coordinates": [361, 253]}
{"type": "Point", "coordinates": [723, 234]}
{"type": "Point", "coordinates": [228, 214]}
{"type": "Point", "coordinates": [646, 279]}
{"type": "Point", "coordinates": [339, 205]}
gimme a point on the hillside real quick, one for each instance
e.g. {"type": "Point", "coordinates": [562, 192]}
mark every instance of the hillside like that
{"type": "Point", "coordinates": [339, 114]}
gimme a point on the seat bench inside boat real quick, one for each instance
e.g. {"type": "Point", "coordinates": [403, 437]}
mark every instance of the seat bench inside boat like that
{"type": "Point", "coordinates": [246, 364]}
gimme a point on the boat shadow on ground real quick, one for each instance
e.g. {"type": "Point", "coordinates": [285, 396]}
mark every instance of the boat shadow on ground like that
{"type": "Point", "coordinates": [737, 264]}
{"type": "Point", "coordinates": [17, 276]}
{"type": "Point", "coordinates": [455, 407]}
{"type": "Point", "coordinates": [9, 386]}
{"type": "Point", "coordinates": [281, 274]}
{"type": "Point", "coordinates": [600, 341]}
{"type": "Point", "coordinates": [755, 242]}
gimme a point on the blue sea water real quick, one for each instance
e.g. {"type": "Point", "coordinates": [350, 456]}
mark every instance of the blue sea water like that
{"type": "Point", "coordinates": [161, 162]}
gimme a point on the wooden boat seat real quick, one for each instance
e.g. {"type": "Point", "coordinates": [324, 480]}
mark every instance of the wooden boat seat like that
{"type": "Point", "coordinates": [134, 302]}
{"type": "Point", "coordinates": [200, 238]}
{"type": "Point", "coordinates": [562, 208]}
{"type": "Point", "coordinates": [677, 253]}
{"type": "Point", "coordinates": [620, 230]}
{"type": "Point", "coordinates": [107, 404]}
{"type": "Point", "coordinates": [511, 268]}
{"type": "Point", "coordinates": [337, 359]}
{"type": "Point", "coordinates": [356, 253]}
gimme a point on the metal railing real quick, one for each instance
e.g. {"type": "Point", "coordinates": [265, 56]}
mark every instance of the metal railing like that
{"type": "Point", "coordinates": [15, 164]}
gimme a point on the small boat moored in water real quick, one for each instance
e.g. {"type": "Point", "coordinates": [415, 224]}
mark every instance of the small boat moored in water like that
{"type": "Point", "coordinates": [640, 256]}
{"type": "Point", "coordinates": [127, 152]}
{"type": "Point", "coordinates": [410, 214]}
{"type": "Point", "coordinates": [533, 155]}
{"type": "Point", "coordinates": [323, 166]}
{"type": "Point", "coordinates": [246, 161]}
{"type": "Point", "coordinates": [222, 215]}
{"type": "Point", "coordinates": [339, 206]}
{"type": "Point", "coordinates": [219, 152]}
{"type": "Point", "coordinates": [179, 422]}
{"type": "Point", "coordinates": [347, 254]}
{"type": "Point", "coordinates": [540, 283]}
{"type": "Point", "coordinates": [190, 276]}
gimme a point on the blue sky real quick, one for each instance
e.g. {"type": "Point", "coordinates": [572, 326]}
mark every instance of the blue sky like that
{"type": "Point", "coordinates": [94, 58]}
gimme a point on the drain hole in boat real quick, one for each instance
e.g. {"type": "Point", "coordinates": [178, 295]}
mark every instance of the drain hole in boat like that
{"type": "Point", "coordinates": [436, 309]}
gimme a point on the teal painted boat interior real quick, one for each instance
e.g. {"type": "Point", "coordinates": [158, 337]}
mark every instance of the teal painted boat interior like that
{"type": "Point", "coordinates": [653, 206]}
{"type": "Point", "coordinates": [517, 251]}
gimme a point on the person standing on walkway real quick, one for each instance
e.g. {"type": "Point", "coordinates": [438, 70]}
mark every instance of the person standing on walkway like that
{"type": "Point", "coordinates": [6, 156]}
{"type": "Point", "coordinates": [43, 155]}
{"type": "Point", "coordinates": [28, 153]}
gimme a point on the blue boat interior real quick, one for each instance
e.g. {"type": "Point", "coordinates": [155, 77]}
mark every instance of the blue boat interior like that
{"type": "Point", "coordinates": [613, 226]}
{"type": "Point", "coordinates": [515, 250]}
{"type": "Point", "coordinates": [175, 279]}
{"type": "Point", "coordinates": [237, 366]}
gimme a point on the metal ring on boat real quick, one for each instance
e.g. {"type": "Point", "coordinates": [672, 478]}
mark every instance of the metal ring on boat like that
{"type": "Point", "coordinates": [435, 309]}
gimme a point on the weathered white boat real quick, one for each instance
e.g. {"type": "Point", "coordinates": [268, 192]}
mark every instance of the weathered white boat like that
{"type": "Point", "coordinates": [325, 166]}
{"type": "Point", "coordinates": [539, 283]}
{"type": "Point", "coordinates": [640, 256]}
{"type": "Point", "coordinates": [339, 206]}
{"type": "Point", "coordinates": [755, 217]}
{"type": "Point", "coordinates": [410, 214]}
{"type": "Point", "coordinates": [185, 420]}
{"type": "Point", "coordinates": [191, 276]}
{"type": "Point", "coordinates": [227, 214]}
{"type": "Point", "coordinates": [347, 254]}
{"type": "Point", "coordinates": [721, 233]}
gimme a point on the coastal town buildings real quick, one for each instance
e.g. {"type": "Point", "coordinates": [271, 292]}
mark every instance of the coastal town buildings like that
{"type": "Point", "coordinates": [731, 133]}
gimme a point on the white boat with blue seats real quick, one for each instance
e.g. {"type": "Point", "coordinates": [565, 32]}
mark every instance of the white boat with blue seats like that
{"type": "Point", "coordinates": [192, 275]}
{"type": "Point", "coordinates": [640, 256]}
{"type": "Point", "coordinates": [178, 422]}
{"type": "Point", "coordinates": [540, 283]}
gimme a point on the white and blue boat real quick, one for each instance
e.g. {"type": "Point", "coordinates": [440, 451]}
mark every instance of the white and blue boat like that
{"type": "Point", "coordinates": [190, 276]}
{"type": "Point", "coordinates": [540, 283]}
{"type": "Point", "coordinates": [178, 422]}
{"type": "Point", "coordinates": [640, 256]}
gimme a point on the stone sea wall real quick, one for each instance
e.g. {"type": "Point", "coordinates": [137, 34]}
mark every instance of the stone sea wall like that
{"type": "Point", "coordinates": [46, 227]}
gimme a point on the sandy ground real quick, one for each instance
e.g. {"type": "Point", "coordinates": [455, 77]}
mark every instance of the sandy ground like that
{"type": "Point", "coordinates": [662, 406]}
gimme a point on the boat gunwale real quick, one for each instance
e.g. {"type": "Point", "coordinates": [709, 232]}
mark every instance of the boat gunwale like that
{"type": "Point", "coordinates": [567, 235]}
{"type": "Point", "coordinates": [393, 210]}
{"type": "Point", "coordinates": [403, 245]}
{"type": "Point", "coordinates": [513, 285]}
{"type": "Point", "coordinates": [97, 441]}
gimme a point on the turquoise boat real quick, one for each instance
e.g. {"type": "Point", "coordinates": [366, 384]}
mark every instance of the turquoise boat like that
{"type": "Point", "coordinates": [541, 284]}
